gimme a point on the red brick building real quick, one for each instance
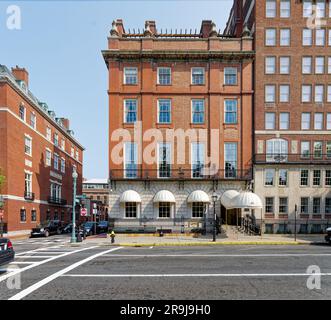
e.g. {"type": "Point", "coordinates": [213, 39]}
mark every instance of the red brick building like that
{"type": "Point", "coordinates": [179, 80]}
{"type": "Point", "coordinates": [37, 155]}
{"type": "Point", "coordinates": [292, 108]}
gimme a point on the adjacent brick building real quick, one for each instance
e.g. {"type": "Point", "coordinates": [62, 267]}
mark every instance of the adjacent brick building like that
{"type": "Point", "coordinates": [37, 155]}
{"type": "Point", "coordinates": [178, 80]}
{"type": "Point", "coordinates": [292, 108]}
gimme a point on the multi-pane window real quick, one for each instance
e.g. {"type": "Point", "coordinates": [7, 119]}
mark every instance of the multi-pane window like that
{"type": "Point", "coordinates": [320, 37]}
{"type": "Point", "coordinates": [284, 121]}
{"type": "Point", "coordinates": [316, 177]}
{"type": "Point", "coordinates": [48, 134]}
{"type": "Point", "coordinates": [284, 65]}
{"type": "Point", "coordinates": [164, 160]}
{"type": "Point", "coordinates": [164, 209]}
{"type": "Point", "coordinates": [328, 178]}
{"type": "Point", "coordinates": [270, 37]}
{"type": "Point", "coordinates": [198, 76]}
{"type": "Point", "coordinates": [269, 177]}
{"type": "Point", "coordinates": [56, 139]}
{"type": "Point", "coordinates": [305, 149]}
{"type": "Point", "coordinates": [198, 111]}
{"type": "Point", "coordinates": [304, 205]}
{"type": "Point", "coordinates": [329, 37]}
{"type": "Point", "coordinates": [63, 144]}
{"type": "Point", "coordinates": [277, 150]}
{"type": "Point", "coordinates": [307, 8]}
{"type": "Point", "coordinates": [307, 37]}
{"type": "Point", "coordinates": [283, 205]}
{"type": "Point", "coordinates": [198, 209]}
{"type": "Point", "coordinates": [22, 112]}
{"type": "Point", "coordinates": [164, 75]}
{"type": "Point", "coordinates": [306, 93]}
{"type": "Point", "coordinates": [320, 8]}
{"type": "Point", "coordinates": [56, 161]}
{"type": "Point", "coordinates": [230, 159]}
{"type": "Point", "coordinates": [319, 65]}
{"type": "Point", "coordinates": [198, 159]}
{"type": "Point", "coordinates": [316, 205]}
{"type": "Point", "coordinates": [131, 159]}
{"type": "Point", "coordinates": [130, 75]}
{"type": "Point", "coordinates": [282, 177]}
{"type": "Point", "coordinates": [130, 210]}
{"type": "Point", "coordinates": [306, 65]}
{"type": "Point", "coordinates": [23, 215]}
{"type": "Point", "coordinates": [284, 93]}
{"type": "Point", "coordinates": [329, 93]}
{"type": "Point", "coordinates": [318, 149]}
{"type": "Point", "coordinates": [230, 76]}
{"type": "Point", "coordinates": [285, 8]}
{"type": "Point", "coordinates": [28, 145]}
{"type": "Point", "coordinates": [304, 177]}
{"type": "Point", "coordinates": [327, 205]}
{"type": "Point", "coordinates": [328, 149]}
{"type": "Point", "coordinates": [28, 182]}
{"type": "Point", "coordinates": [48, 158]}
{"type": "Point", "coordinates": [56, 191]}
{"type": "Point", "coordinates": [305, 121]}
{"type": "Point", "coordinates": [270, 118]}
{"type": "Point", "coordinates": [72, 151]}
{"type": "Point", "coordinates": [270, 65]}
{"type": "Point", "coordinates": [319, 93]}
{"type": "Point", "coordinates": [164, 111]}
{"type": "Point", "coordinates": [230, 111]}
{"type": "Point", "coordinates": [270, 93]}
{"type": "Point", "coordinates": [63, 165]}
{"type": "Point", "coordinates": [318, 121]}
{"type": "Point", "coordinates": [270, 9]}
{"type": "Point", "coordinates": [285, 37]}
{"type": "Point", "coordinates": [33, 215]}
{"type": "Point", "coordinates": [33, 120]}
{"type": "Point", "coordinates": [329, 61]}
{"type": "Point", "coordinates": [269, 205]}
{"type": "Point", "coordinates": [130, 110]}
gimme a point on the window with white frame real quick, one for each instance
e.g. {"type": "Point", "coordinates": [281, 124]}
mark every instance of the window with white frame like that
{"type": "Point", "coordinates": [284, 121]}
{"type": "Point", "coordinates": [230, 111]}
{"type": "Point", "coordinates": [305, 149]}
{"type": "Point", "coordinates": [164, 160]}
{"type": "Point", "coordinates": [63, 165]}
{"type": "Point", "coordinates": [131, 159]}
{"type": "Point", "coordinates": [198, 76]}
{"type": "Point", "coordinates": [230, 159]}
{"type": "Point", "coordinates": [164, 110]}
{"type": "Point", "coordinates": [56, 139]}
{"type": "Point", "coordinates": [198, 111]}
{"type": "Point", "coordinates": [307, 8]}
{"type": "Point", "coordinates": [72, 152]}
{"type": "Point", "coordinates": [304, 205]}
{"type": "Point", "coordinates": [164, 210]}
{"type": "Point", "coordinates": [77, 155]}
{"type": "Point", "coordinates": [270, 37]}
{"type": "Point", "coordinates": [304, 177]}
{"type": "Point", "coordinates": [285, 37]}
{"type": "Point", "coordinates": [33, 120]}
{"type": "Point", "coordinates": [197, 159]}
{"type": "Point", "coordinates": [284, 65]}
{"type": "Point", "coordinates": [328, 149]}
{"type": "Point", "coordinates": [319, 93]}
{"type": "Point", "coordinates": [130, 110]}
{"type": "Point", "coordinates": [270, 65]}
{"type": "Point", "coordinates": [270, 93]}
{"type": "Point", "coordinates": [285, 8]}
{"type": "Point", "coordinates": [328, 121]}
{"type": "Point", "coordinates": [164, 75]}
{"type": "Point", "coordinates": [277, 150]}
{"type": "Point", "coordinates": [230, 76]}
{"type": "Point", "coordinates": [48, 158]}
{"type": "Point", "coordinates": [130, 75]}
{"type": "Point", "coordinates": [284, 93]}
{"type": "Point", "coordinates": [269, 177]}
{"type": "Point", "coordinates": [198, 209]}
{"type": "Point", "coordinates": [63, 144]}
{"type": "Point", "coordinates": [305, 121]}
{"type": "Point", "coordinates": [319, 65]}
{"type": "Point", "coordinates": [306, 65]}
{"type": "Point", "coordinates": [270, 120]}
{"type": "Point", "coordinates": [327, 208]}
{"type": "Point", "coordinates": [28, 145]}
{"type": "Point", "coordinates": [307, 37]}
{"type": "Point", "coordinates": [320, 37]}
{"type": "Point", "coordinates": [131, 210]}
{"type": "Point", "coordinates": [269, 205]}
{"type": "Point", "coordinates": [21, 112]}
{"type": "Point", "coordinates": [329, 93]}
{"type": "Point", "coordinates": [329, 63]}
{"type": "Point", "coordinates": [270, 8]}
{"type": "Point", "coordinates": [22, 215]}
{"type": "Point", "coordinates": [316, 178]}
{"type": "Point", "coordinates": [283, 205]}
{"type": "Point", "coordinates": [328, 178]}
{"type": "Point", "coordinates": [28, 183]}
{"type": "Point", "coordinates": [56, 161]}
{"type": "Point", "coordinates": [318, 145]}
{"type": "Point", "coordinates": [306, 93]}
{"type": "Point", "coordinates": [320, 8]}
{"type": "Point", "coordinates": [318, 121]}
{"type": "Point", "coordinates": [56, 191]}
{"type": "Point", "coordinates": [48, 134]}
{"type": "Point", "coordinates": [329, 37]}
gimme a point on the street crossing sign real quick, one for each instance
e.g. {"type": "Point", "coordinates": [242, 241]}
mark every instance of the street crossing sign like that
{"type": "Point", "coordinates": [83, 212]}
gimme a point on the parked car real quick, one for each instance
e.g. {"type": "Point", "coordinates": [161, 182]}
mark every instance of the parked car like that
{"type": "Point", "coordinates": [48, 228]}
{"type": "Point", "coordinates": [7, 252]}
{"type": "Point", "coordinates": [328, 235]}
{"type": "Point", "coordinates": [89, 228]}
{"type": "Point", "coordinates": [103, 227]}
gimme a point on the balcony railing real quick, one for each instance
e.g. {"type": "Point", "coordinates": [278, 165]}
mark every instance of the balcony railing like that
{"type": "Point", "coordinates": [316, 158]}
{"type": "Point", "coordinates": [180, 174]}
{"type": "Point", "coordinates": [29, 196]}
{"type": "Point", "coordinates": [57, 201]}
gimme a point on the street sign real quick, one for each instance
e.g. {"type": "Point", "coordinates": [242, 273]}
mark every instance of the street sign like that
{"type": "Point", "coordinates": [83, 212]}
{"type": "Point", "coordinates": [95, 211]}
{"type": "Point", "coordinates": [2, 213]}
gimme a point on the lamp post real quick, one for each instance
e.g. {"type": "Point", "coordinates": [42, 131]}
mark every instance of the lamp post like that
{"type": "Point", "coordinates": [73, 233]}
{"type": "Point", "coordinates": [295, 222]}
{"type": "Point", "coordinates": [214, 197]}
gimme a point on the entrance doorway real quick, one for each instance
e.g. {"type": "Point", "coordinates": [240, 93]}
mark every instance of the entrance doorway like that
{"type": "Point", "coordinates": [230, 217]}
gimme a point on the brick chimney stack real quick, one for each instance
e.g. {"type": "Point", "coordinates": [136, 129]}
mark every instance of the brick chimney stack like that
{"type": "Point", "coordinates": [206, 28]}
{"type": "Point", "coordinates": [151, 25]}
{"type": "Point", "coordinates": [21, 74]}
{"type": "Point", "coordinates": [66, 123]}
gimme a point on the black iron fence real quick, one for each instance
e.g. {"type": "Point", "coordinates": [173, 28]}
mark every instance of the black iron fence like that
{"type": "Point", "coordinates": [304, 158]}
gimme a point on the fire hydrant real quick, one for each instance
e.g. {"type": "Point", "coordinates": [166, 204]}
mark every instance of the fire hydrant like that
{"type": "Point", "coordinates": [112, 236]}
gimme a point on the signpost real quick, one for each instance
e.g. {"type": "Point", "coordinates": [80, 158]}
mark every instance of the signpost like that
{"type": "Point", "coordinates": [1, 222]}
{"type": "Point", "coordinates": [83, 212]}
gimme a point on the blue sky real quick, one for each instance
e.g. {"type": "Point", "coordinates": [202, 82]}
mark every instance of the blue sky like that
{"type": "Point", "coordinates": [60, 44]}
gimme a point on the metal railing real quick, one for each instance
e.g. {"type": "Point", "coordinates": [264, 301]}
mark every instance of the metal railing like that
{"type": "Point", "coordinates": [29, 196]}
{"type": "Point", "coordinates": [58, 201]}
{"type": "Point", "coordinates": [313, 158]}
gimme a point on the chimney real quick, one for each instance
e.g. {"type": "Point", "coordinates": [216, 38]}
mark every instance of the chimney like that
{"type": "Point", "coordinates": [150, 25]}
{"type": "Point", "coordinates": [206, 28]}
{"type": "Point", "coordinates": [21, 74]}
{"type": "Point", "coordinates": [66, 123]}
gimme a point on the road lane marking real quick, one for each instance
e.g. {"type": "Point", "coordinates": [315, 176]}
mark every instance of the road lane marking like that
{"type": "Point", "coordinates": [58, 274]}
{"type": "Point", "coordinates": [23, 262]}
{"type": "Point", "coordinates": [34, 250]}
{"type": "Point", "coordinates": [4, 277]}
{"type": "Point", "coordinates": [35, 257]}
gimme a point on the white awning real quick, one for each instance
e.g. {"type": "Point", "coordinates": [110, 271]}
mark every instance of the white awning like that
{"type": "Point", "coordinates": [226, 198]}
{"type": "Point", "coordinates": [130, 196]}
{"type": "Point", "coordinates": [198, 196]}
{"type": "Point", "coordinates": [164, 196]}
{"type": "Point", "coordinates": [246, 199]}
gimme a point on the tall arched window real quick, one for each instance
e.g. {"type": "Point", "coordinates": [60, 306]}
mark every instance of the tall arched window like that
{"type": "Point", "coordinates": [277, 150]}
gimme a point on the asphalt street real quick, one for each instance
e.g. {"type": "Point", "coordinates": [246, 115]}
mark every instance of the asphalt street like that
{"type": "Point", "coordinates": [52, 269]}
